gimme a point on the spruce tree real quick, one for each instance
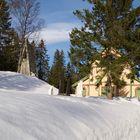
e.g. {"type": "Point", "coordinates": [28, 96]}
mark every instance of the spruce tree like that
{"type": "Point", "coordinates": [71, 77]}
{"type": "Point", "coordinates": [109, 26]}
{"type": "Point", "coordinates": [8, 40]}
{"type": "Point", "coordinates": [5, 24]}
{"type": "Point", "coordinates": [42, 61]}
{"type": "Point", "coordinates": [57, 72]}
{"type": "Point", "coordinates": [68, 79]}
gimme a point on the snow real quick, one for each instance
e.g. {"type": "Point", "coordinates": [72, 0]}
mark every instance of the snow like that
{"type": "Point", "coordinates": [19, 82]}
{"type": "Point", "coordinates": [79, 89]}
{"type": "Point", "coordinates": [43, 117]}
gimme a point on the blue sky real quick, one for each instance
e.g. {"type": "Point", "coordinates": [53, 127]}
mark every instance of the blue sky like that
{"type": "Point", "coordinates": [59, 21]}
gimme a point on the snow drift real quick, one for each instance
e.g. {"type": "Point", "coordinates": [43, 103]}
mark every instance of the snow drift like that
{"type": "Point", "coordinates": [42, 117]}
{"type": "Point", "coordinates": [18, 82]}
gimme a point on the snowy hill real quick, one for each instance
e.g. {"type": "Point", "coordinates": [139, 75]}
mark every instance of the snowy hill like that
{"type": "Point", "coordinates": [18, 82]}
{"type": "Point", "coordinates": [42, 117]}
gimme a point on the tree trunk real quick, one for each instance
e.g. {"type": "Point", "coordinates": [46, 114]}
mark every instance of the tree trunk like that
{"type": "Point", "coordinates": [60, 87]}
{"type": "Point", "coordinates": [109, 94]}
{"type": "Point", "coordinates": [109, 81]}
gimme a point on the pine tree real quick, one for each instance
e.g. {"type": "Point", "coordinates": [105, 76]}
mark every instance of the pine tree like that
{"type": "Point", "coordinates": [8, 40]}
{"type": "Point", "coordinates": [42, 62]}
{"type": "Point", "coordinates": [109, 25]}
{"type": "Point", "coordinates": [57, 72]}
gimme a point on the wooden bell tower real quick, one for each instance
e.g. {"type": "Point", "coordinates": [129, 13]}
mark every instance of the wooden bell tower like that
{"type": "Point", "coordinates": [26, 64]}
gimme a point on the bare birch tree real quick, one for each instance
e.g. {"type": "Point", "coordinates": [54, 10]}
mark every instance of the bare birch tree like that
{"type": "Point", "coordinates": [26, 13]}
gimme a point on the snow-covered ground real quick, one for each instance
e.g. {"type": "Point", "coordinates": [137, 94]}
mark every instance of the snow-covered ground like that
{"type": "Point", "coordinates": [42, 117]}
{"type": "Point", "coordinates": [18, 82]}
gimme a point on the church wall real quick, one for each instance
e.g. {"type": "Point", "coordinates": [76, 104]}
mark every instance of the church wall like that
{"type": "Point", "coordinates": [90, 88]}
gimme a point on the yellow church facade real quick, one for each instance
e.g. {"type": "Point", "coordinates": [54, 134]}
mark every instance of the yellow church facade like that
{"type": "Point", "coordinates": [88, 85]}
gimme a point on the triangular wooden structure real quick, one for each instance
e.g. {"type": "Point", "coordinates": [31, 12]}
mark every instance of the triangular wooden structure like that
{"type": "Point", "coordinates": [26, 64]}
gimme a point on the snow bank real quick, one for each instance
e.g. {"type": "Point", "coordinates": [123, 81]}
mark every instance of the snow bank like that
{"type": "Point", "coordinates": [18, 82]}
{"type": "Point", "coordinates": [42, 117]}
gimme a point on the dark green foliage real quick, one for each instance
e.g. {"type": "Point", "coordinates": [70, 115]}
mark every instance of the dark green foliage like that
{"type": "Point", "coordinates": [42, 62]}
{"type": "Point", "coordinates": [57, 72]}
{"type": "Point", "coordinates": [11, 54]}
{"type": "Point", "coordinates": [9, 43]}
{"type": "Point", "coordinates": [81, 51]}
{"type": "Point", "coordinates": [71, 78]}
{"type": "Point", "coordinates": [5, 24]}
{"type": "Point", "coordinates": [111, 25]}
{"type": "Point", "coordinates": [68, 87]}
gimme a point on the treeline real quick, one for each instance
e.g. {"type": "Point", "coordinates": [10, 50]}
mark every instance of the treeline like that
{"type": "Point", "coordinates": [25, 22]}
{"type": "Point", "coordinates": [12, 39]}
{"type": "Point", "coordinates": [60, 74]}
{"type": "Point", "coordinates": [109, 26]}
